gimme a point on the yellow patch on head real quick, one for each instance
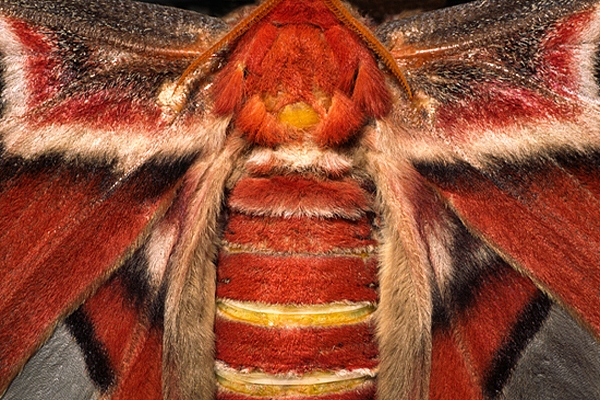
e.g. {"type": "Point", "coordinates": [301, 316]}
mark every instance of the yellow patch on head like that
{"type": "Point", "coordinates": [298, 115]}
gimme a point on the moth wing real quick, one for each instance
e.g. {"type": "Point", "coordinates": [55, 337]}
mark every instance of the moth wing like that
{"type": "Point", "coordinates": [501, 137]}
{"type": "Point", "coordinates": [93, 156]}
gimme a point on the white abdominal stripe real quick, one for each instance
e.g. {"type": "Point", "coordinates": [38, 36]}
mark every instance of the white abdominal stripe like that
{"type": "Point", "coordinates": [288, 316]}
{"type": "Point", "coordinates": [292, 316]}
{"type": "Point", "coordinates": [311, 384]}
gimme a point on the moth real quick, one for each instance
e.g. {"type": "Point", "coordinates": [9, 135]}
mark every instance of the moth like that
{"type": "Point", "coordinates": [299, 204]}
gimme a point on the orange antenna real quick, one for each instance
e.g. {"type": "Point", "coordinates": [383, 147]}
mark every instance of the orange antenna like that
{"type": "Point", "coordinates": [374, 44]}
{"type": "Point", "coordinates": [260, 12]}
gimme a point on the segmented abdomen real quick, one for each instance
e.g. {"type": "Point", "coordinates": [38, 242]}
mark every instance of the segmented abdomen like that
{"type": "Point", "coordinates": [296, 290]}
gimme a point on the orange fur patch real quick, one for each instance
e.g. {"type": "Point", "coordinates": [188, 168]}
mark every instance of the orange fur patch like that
{"type": "Point", "coordinates": [299, 53]}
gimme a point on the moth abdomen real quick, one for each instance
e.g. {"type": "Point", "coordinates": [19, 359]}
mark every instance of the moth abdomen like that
{"type": "Point", "coordinates": [296, 289]}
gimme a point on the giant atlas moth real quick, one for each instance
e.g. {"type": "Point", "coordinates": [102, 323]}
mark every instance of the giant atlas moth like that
{"type": "Point", "coordinates": [295, 203]}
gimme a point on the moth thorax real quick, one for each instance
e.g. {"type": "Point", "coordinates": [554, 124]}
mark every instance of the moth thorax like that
{"type": "Point", "coordinates": [301, 75]}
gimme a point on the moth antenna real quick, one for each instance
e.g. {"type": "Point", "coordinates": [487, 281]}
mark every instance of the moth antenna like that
{"type": "Point", "coordinates": [374, 44]}
{"type": "Point", "coordinates": [259, 13]}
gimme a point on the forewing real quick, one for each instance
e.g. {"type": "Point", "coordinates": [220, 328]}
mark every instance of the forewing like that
{"type": "Point", "coordinates": [93, 151]}
{"type": "Point", "coordinates": [501, 140]}
{"type": "Point", "coordinates": [509, 113]}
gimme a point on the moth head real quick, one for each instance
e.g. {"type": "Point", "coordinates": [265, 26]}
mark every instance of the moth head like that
{"type": "Point", "coordinates": [287, 82]}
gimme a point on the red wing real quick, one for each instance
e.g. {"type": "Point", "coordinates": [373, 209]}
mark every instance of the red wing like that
{"type": "Point", "coordinates": [484, 312]}
{"type": "Point", "coordinates": [510, 132]}
{"type": "Point", "coordinates": [91, 155]}
{"type": "Point", "coordinates": [64, 230]}
{"type": "Point", "coordinates": [544, 219]}
{"type": "Point", "coordinates": [504, 127]}
{"type": "Point", "coordinates": [499, 80]}
{"type": "Point", "coordinates": [102, 90]}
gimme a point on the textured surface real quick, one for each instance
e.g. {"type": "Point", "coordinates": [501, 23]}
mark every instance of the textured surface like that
{"type": "Point", "coordinates": [300, 276]}
{"type": "Point", "coordinates": [48, 377]}
{"type": "Point", "coordinates": [129, 172]}
{"type": "Point", "coordinates": [560, 363]}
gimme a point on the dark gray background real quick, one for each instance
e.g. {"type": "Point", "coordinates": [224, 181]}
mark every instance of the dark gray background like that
{"type": "Point", "coordinates": [377, 9]}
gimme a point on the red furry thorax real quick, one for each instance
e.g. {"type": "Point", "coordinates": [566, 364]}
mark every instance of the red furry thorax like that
{"type": "Point", "coordinates": [301, 54]}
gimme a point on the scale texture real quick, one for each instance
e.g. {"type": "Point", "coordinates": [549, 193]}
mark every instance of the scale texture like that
{"type": "Point", "coordinates": [295, 203]}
